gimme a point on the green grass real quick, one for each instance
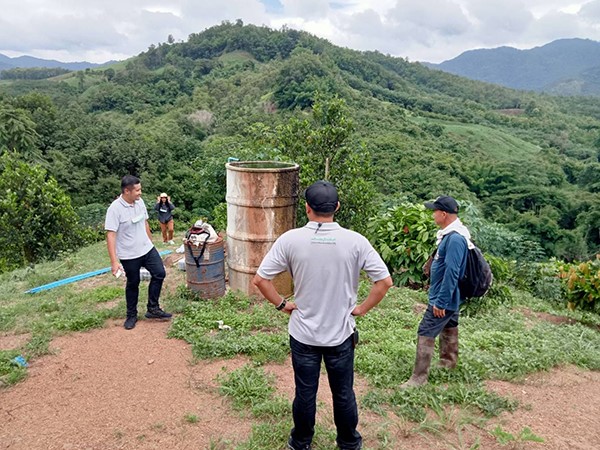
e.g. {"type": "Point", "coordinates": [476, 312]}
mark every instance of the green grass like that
{"type": "Point", "coordinates": [491, 141]}
{"type": "Point", "coordinates": [500, 341]}
{"type": "Point", "coordinates": [191, 418]}
{"type": "Point", "coordinates": [255, 330]}
{"type": "Point", "coordinates": [495, 343]}
{"type": "Point", "coordinates": [236, 56]}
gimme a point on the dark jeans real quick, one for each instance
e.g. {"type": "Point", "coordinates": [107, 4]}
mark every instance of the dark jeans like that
{"type": "Point", "coordinates": [153, 264]}
{"type": "Point", "coordinates": [339, 362]}
{"type": "Point", "coordinates": [432, 326]}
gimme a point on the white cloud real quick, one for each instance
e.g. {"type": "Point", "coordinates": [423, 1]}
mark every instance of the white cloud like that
{"type": "Point", "coordinates": [306, 9]}
{"type": "Point", "coordinates": [590, 11]}
{"type": "Point", "coordinates": [426, 30]}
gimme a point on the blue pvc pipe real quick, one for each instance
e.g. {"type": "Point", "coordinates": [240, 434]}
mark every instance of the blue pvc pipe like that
{"type": "Point", "coordinates": [83, 276]}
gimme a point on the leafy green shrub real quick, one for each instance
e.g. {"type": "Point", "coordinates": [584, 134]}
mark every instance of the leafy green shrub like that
{"type": "Point", "coordinates": [582, 284]}
{"type": "Point", "coordinates": [92, 215]}
{"type": "Point", "coordinates": [497, 239]}
{"type": "Point", "coordinates": [404, 236]}
{"type": "Point", "coordinates": [503, 269]}
{"type": "Point", "coordinates": [37, 220]}
{"type": "Point", "coordinates": [219, 214]}
{"type": "Point", "coordinates": [540, 279]}
{"type": "Point", "coordinates": [91, 221]}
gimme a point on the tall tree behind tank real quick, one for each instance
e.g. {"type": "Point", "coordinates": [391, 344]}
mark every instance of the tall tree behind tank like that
{"type": "Point", "coordinates": [322, 145]}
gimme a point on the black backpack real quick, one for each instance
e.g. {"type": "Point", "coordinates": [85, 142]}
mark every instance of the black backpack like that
{"type": "Point", "coordinates": [478, 277]}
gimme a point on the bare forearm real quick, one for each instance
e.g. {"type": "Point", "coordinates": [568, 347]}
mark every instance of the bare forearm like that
{"type": "Point", "coordinates": [111, 245]}
{"type": "Point", "coordinates": [267, 289]}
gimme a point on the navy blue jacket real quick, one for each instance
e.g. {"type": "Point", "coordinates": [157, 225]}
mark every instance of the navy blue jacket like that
{"type": "Point", "coordinates": [447, 268]}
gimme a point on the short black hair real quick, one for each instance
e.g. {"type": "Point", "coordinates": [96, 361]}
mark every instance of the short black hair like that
{"type": "Point", "coordinates": [128, 181]}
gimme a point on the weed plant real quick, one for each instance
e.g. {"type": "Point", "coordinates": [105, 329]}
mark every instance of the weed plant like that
{"type": "Point", "coordinates": [247, 327]}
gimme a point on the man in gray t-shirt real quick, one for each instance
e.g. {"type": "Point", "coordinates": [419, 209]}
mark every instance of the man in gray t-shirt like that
{"type": "Point", "coordinates": [325, 261]}
{"type": "Point", "coordinates": [130, 247]}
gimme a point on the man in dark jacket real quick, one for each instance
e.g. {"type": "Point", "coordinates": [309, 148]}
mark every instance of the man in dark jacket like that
{"type": "Point", "coordinates": [447, 268]}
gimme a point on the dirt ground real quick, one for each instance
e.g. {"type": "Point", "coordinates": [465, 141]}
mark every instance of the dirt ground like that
{"type": "Point", "coordinates": [116, 389]}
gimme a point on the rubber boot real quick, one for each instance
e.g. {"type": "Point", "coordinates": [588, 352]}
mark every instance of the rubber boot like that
{"type": "Point", "coordinates": [425, 348]}
{"type": "Point", "coordinates": [448, 348]}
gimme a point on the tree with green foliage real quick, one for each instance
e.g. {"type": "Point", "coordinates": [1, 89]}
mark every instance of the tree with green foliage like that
{"type": "Point", "coordinates": [17, 132]}
{"type": "Point", "coordinates": [300, 79]}
{"type": "Point", "coordinates": [321, 144]}
{"type": "Point", "coordinates": [37, 220]}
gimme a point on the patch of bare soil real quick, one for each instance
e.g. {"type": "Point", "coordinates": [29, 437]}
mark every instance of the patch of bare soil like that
{"type": "Point", "coordinates": [117, 389]}
{"type": "Point", "coordinates": [561, 406]}
{"type": "Point", "coordinates": [552, 318]}
{"type": "Point", "coordinates": [13, 341]}
{"type": "Point", "coordinates": [511, 111]}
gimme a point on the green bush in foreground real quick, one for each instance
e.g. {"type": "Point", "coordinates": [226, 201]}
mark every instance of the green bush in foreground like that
{"type": "Point", "coordinates": [37, 220]}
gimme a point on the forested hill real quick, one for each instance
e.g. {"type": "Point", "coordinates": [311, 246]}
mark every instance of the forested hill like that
{"type": "Point", "coordinates": [393, 131]}
{"type": "Point", "coordinates": [564, 67]}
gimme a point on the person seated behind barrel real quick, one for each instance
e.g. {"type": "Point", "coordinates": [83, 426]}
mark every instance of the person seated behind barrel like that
{"type": "Point", "coordinates": [165, 208]}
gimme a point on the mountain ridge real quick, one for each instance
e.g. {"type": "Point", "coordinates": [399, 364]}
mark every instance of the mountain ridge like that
{"type": "Point", "coordinates": [562, 67]}
{"type": "Point", "coordinates": [27, 62]}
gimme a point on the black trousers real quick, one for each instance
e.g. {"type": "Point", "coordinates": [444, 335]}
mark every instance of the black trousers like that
{"type": "Point", "coordinates": [153, 264]}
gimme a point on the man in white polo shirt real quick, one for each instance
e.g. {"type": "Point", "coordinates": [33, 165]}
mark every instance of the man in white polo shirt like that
{"type": "Point", "coordinates": [129, 241]}
{"type": "Point", "coordinates": [325, 261]}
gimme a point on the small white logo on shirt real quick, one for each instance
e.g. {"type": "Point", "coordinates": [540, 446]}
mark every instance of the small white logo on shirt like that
{"type": "Point", "coordinates": [323, 240]}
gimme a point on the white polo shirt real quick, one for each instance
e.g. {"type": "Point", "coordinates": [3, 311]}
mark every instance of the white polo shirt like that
{"type": "Point", "coordinates": [325, 262]}
{"type": "Point", "coordinates": [129, 222]}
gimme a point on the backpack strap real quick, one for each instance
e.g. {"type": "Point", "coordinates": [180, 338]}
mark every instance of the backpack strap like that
{"type": "Point", "coordinates": [199, 258]}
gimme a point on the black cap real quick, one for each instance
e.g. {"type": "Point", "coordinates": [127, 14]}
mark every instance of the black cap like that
{"type": "Point", "coordinates": [443, 203]}
{"type": "Point", "coordinates": [321, 196]}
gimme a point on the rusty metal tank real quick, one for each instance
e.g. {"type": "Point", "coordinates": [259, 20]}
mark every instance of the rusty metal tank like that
{"type": "Point", "coordinates": [262, 197]}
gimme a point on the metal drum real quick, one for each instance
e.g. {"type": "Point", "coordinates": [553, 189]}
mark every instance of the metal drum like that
{"type": "Point", "coordinates": [207, 279]}
{"type": "Point", "coordinates": [262, 198]}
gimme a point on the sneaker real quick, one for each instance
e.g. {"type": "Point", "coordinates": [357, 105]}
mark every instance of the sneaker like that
{"type": "Point", "coordinates": [291, 447]}
{"type": "Point", "coordinates": [171, 242]}
{"type": "Point", "coordinates": [158, 314]}
{"type": "Point", "coordinates": [130, 323]}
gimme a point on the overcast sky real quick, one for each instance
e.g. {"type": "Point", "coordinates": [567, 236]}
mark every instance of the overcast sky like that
{"type": "Point", "coordinates": [420, 30]}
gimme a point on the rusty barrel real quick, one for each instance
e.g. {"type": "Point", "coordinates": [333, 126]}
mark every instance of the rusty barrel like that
{"type": "Point", "coordinates": [207, 277]}
{"type": "Point", "coordinates": [262, 198]}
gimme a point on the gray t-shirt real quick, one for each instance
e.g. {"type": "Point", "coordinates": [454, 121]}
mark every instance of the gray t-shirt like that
{"type": "Point", "coordinates": [129, 222]}
{"type": "Point", "coordinates": [325, 261]}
